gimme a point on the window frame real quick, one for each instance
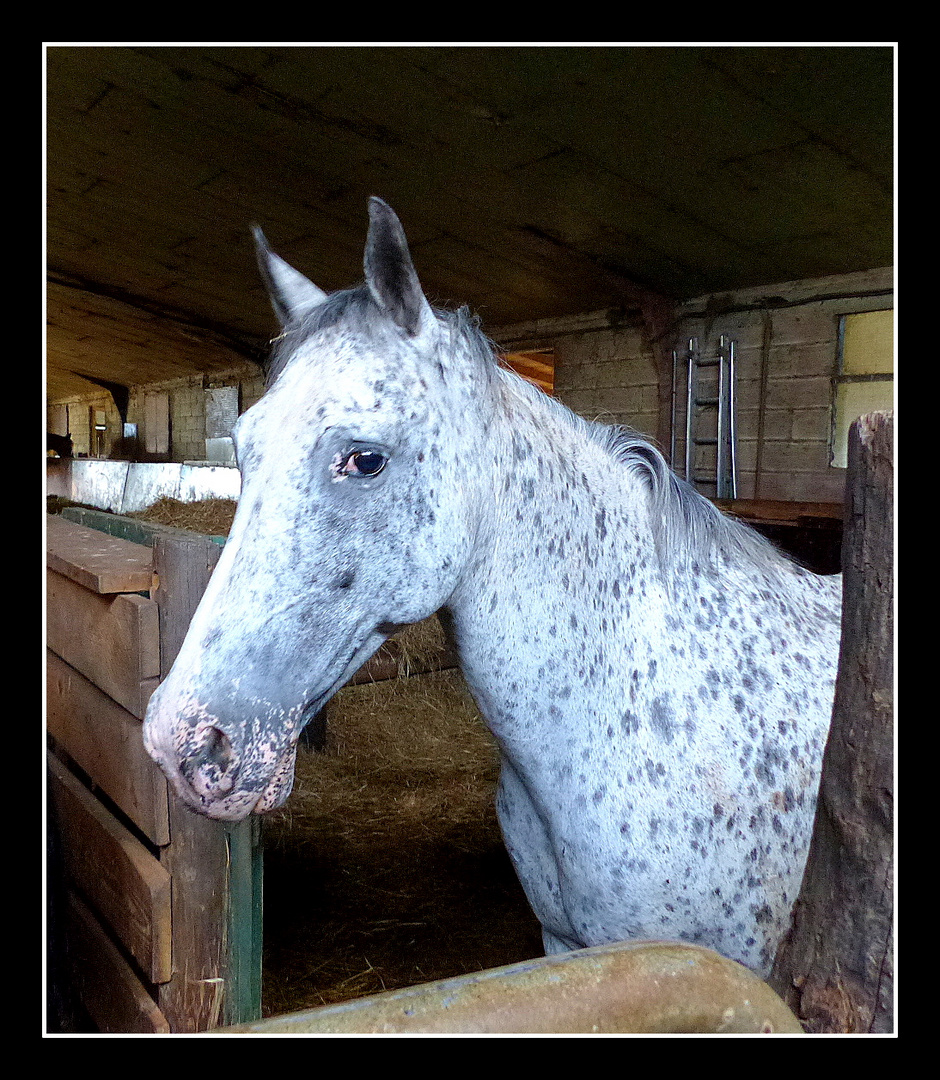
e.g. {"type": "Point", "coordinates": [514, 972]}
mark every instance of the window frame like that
{"type": "Point", "coordinates": [838, 428]}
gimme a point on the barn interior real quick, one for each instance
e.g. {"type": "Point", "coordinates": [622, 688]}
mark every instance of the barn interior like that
{"type": "Point", "coordinates": [609, 212]}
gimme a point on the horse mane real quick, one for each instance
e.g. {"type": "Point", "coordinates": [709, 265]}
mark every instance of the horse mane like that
{"type": "Point", "coordinates": [353, 305]}
{"type": "Point", "coordinates": [687, 526]}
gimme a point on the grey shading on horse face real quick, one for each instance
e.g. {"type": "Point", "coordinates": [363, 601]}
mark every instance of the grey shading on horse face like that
{"type": "Point", "coordinates": [658, 677]}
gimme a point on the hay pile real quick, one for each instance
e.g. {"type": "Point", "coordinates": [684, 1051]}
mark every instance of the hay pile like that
{"type": "Point", "coordinates": [210, 516]}
{"type": "Point", "coordinates": [422, 647]}
{"type": "Point", "coordinates": [404, 758]}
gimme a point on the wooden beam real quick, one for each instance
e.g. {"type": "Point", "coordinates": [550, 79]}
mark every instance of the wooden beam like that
{"type": "Point", "coordinates": [102, 563]}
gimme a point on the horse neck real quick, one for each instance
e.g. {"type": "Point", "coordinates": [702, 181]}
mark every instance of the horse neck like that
{"type": "Point", "coordinates": [566, 534]}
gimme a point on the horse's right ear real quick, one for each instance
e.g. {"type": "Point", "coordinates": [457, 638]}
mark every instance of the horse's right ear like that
{"type": "Point", "coordinates": [292, 295]}
{"type": "Point", "coordinates": [390, 273]}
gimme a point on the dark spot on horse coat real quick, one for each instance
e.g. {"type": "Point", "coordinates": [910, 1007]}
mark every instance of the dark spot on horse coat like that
{"type": "Point", "coordinates": [663, 718]}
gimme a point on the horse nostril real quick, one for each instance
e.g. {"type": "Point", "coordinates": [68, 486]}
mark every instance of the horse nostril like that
{"type": "Point", "coordinates": [213, 766]}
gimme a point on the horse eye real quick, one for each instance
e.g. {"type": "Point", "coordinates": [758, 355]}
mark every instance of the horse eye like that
{"type": "Point", "coordinates": [365, 463]}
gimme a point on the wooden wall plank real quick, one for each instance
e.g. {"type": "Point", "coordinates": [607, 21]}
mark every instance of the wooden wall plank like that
{"type": "Point", "coordinates": [110, 991]}
{"type": "Point", "coordinates": [198, 859]}
{"type": "Point", "coordinates": [112, 640]}
{"type": "Point", "coordinates": [105, 741]}
{"type": "Point", "coordinates": [127, 885]}
{"type": "Point", "coordinates": [102, 563]}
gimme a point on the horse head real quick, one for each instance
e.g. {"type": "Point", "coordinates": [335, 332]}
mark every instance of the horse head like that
{"type": "Point", "coordinates": [349, 523]}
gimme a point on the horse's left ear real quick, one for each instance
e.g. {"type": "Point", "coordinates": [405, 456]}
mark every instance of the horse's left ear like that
{"type": "Point", "coordinates": [390, 273]}
{"type": "Point", "coordinates": [292, 295]}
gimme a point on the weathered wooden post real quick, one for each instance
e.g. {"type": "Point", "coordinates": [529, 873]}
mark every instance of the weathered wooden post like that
{"type": "Point", "coordinates": [836, 968]}
{"type": "Point", "coordinates": [218, 943]}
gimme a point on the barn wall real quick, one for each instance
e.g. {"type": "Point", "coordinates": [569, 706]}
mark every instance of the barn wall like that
{"type": "Point", "coordinates": [186, 399]}
{"type": "Point", "coordinates": [187, 407]}
{"type": "Point", "coordinates": [609, 375]}
{"type": "Point", "coordinates": [605, 368]}
{"type": "Point", "coordinates": [787, 352]}
{"type": "Point", "coordinates": [77, 419]}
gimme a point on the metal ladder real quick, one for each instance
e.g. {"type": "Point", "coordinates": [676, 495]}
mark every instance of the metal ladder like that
{"type": "Point", "coordinates": [709, 414]}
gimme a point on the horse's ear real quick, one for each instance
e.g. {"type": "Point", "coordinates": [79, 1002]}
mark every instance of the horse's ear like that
{"type": "Point", "coordinates": [292, 295]}
{"type": "Point", "coordinates": [390, 273]}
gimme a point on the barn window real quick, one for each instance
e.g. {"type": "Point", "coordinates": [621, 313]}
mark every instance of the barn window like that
{"type": "Point", "coordinates": [865, 382]}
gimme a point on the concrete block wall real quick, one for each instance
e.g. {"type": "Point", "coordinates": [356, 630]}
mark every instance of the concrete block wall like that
{"type": "Point", "coordinates": [77, 418]}
{"type": "Point", "coordinates": [609, 375]}
{"type": "Point", "coordinates": [188, 421]}
{"type": "Point", "coordinates": [188, 407]}
{"type": "Point", "coordinates": [785, 363]}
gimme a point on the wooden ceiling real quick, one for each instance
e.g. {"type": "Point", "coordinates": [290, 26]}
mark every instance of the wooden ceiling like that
{"type": "Point", "coordinates": [532, 181]}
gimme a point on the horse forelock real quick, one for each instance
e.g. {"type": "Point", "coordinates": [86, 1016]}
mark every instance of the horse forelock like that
{"type": "Point", "coordinates": [354, 306]}
{"type": "Point", "coordinates": [356, 311]}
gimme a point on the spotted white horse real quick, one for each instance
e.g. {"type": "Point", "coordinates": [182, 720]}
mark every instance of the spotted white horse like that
{"type": "Point", "coordinates": [658, 677]}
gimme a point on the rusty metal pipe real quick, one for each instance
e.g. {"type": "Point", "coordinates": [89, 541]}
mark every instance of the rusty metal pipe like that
{"type": "Point", "coordinates": [628, 988]}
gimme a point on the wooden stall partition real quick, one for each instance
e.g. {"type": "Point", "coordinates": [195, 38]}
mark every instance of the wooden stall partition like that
{"type": "Point", "coordinates": [810, 533]}
{"type": "Point", "coordinates": [156, 920]}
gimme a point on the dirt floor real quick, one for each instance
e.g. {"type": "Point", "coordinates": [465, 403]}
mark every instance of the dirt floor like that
{"type": "Point", "coordinates": [386, 867]}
